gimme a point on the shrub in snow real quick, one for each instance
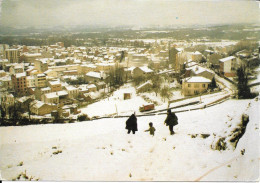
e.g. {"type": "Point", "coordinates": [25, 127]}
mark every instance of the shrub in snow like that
{"type": "Point", "coordinates": [20, 164]}
{"type": "Point", "coordinates": [44, 121]}
{"type": "Point", "coordinates": [9, 166]}
{"type": "Point", "coordinates": [231, 140]}
{"type": "Point", "coordinates": [24, 176]}
{"type": "Point", "coordinates": [220, 144]}
{"type": "Point", "coordinates": [238, 132]}
{"type": "Point", "coordinates": [24, 121]}
{"type": "Point", "coordinates": [205, 135]}
{"type": "Point", "coordinates": [57, 152]}
{"type": "Point", "coordinates": [83, 117]}
{"type": "Point", "coordinates": [243, 151]}
{"type": "Point", "coordinates": [193, 135]}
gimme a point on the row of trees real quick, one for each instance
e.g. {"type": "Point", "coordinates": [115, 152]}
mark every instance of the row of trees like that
{"type": "Point", "coordinates": [249, 45]}
{"type": "Point", "coordinates": [116, 77]}
{"type": "Point", "coordinates": [13, 115]}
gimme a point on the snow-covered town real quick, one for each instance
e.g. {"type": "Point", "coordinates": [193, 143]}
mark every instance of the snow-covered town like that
{"type": "Point", "coordinates": [66, 99]}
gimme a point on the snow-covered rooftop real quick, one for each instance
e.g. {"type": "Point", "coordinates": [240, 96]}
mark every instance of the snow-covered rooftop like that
{"type": "Point", "coordinates": [45, 89]}
{"type": "Point", "coordinates": [70, 88]}
{"type": "Point", "coordinates": [142, 85]}
{"type": "Point", "coordinates": [197, 79]}
{"type": "Point", "coordinates": [94, 74]}
{"type": "Point", "coordinates": [179, 49]}
{"type": "Point", "coordinates": [23, 99]}
{"type": "Point", "coordinates": [209, 51]}
{"type": "Point", "coordinates": [62, 93]}
{"type": "Point", "coordinates": [146, 69]}
{"type": "Point", "coordinates": [38, 104]}
{"type": "Point", "coordinates": [226, 59]}
{"type": "Point", "coordinates": [89, 66]}
{"type": "Point", "coordinates": [43, 60]}
{"type": "Point", "coordinates": [131, 68]}
{"type": "Point", "coordinates": [32, 54]}
{"type": "Point", "coordinates": [54, 82]}
{"type": "Point", "coordinates": [41, 75]}
{"type": "Point", "coordinates": [51, 95]}
{"type": "Point", "coordinates": [197, 69]}
{"type": "Point", "coordinates": [91, 86]}
{"type": "Point", "coordinates": [19, 75]}
{"type": "Point", "coordinates": [197, 53]}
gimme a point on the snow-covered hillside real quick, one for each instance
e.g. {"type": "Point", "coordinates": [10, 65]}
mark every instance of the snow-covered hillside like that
{"type": "Point", "coordinates": [101, 150]}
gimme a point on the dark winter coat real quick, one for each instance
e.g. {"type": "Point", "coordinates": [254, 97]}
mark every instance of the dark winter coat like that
{"type": "Point", "coordinates": [171, 119]}
{"type": "Point", "coordinates": [131, 123]}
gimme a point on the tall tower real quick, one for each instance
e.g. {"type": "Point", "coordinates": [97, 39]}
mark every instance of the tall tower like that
{"type": "Point", "coordinates": [12, 55]}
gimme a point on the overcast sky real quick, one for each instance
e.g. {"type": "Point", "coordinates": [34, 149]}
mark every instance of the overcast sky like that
{"type": "Point", "coordinates": [127, 12]}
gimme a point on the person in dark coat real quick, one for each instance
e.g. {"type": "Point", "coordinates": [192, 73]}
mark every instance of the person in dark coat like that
{"type": "Point", "coordinates": [171, 120]}
{"type": "Point", "coordinates": [131, 124]}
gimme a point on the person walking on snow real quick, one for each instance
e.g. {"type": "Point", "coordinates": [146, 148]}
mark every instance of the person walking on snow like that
{"type": "Point", "coordinates": [131, 124]}
{"type": "Point", "coordinates": [171, 120]}
{"type": "Point", "coordinates": [151, 129]}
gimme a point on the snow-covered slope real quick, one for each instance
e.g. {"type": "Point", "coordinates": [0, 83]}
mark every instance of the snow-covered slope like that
{"type": "Point", "coordinates": [101, 150]}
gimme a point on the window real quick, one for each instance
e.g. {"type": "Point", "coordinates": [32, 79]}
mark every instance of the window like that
{"type": "Point", "coordinates": [189, 85]}
{"type": "Point", "coordinates": [203, 85]}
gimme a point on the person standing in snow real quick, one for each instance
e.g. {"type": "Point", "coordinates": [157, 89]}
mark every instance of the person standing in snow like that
{"type": "Point", "coordinates": [131, 124]}
{"type": "Point", "coordinates": [171, 120]}
{"type": "Point", "coordinates": [151, 129]}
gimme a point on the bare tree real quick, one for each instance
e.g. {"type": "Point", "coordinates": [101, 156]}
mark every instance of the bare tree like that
{"type": "Point", "coordinates": [166, 93]}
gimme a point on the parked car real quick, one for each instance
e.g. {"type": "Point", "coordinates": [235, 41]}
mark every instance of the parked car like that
{"type": "Point", "coordinates": [147, 107]}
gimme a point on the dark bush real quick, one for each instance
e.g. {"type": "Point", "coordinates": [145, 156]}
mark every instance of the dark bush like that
{"type": "Point", "coordinates": [83, 117]}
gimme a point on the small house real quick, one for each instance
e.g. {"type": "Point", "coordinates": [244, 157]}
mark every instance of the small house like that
{"type": "Point", "coordinates": [40, 108]}
{"type": "Point", "coordinates": [51, 98]}
{"type": "Point", "coordinates": [195, 85]}
{"type": "Point", "coordinates": [142, 71]}
{"type": "Point", "coordinates": [92, 88]}
{"type": "Point", "coordinates": [199, 71]}
{"type": "Point", "coordinates": [93, 77]}
{"type": "Point", "coordinates": [144, 87]}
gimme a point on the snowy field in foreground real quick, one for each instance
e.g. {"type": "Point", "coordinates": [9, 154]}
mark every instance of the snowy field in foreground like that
{"type": "Point", "coordinates": [101, 150]}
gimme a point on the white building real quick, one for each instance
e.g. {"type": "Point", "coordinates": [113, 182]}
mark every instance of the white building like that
{"type": "Point", "coordinates": [228, 66]}
{"type": "Point", "coordinates": [73, 92]}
